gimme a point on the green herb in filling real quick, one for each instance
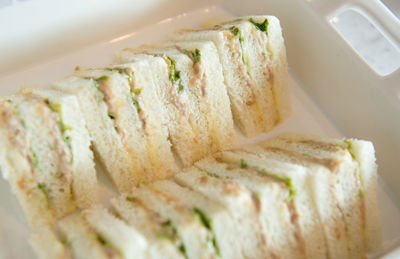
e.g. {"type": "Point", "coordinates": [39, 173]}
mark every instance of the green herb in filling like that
{"type": "Point", "coordinates": [170, 232]}
{"type": "Point", "coordinates": [56, 107]}
{"type": "Point", "coordinates": [196, 55]}
{"type": "Point", "coordinates": [236, 31]}
{"type": "Point", "coordinates": [111, 115]}
{"type": "Point", "coordinates": [286, 180]}
{"type": "Point", "coordinates": [182, 249]}
{"type": "Point", "coordinates": [35, 159]}
{"type": "Point", "coordinates": [349, 147]}
{"type": "Point", "coordinates": [123, 71]}
{"type": "Point", "coordinates": [175, 75]}
{"type": "Point", "coordinates": [130, 198]}
{"type": "Point", "coordinates": [243, 163]}
{"type": "Point", "coordinates": [97, 80]}
{"type": "Point", "coordinates": [137, 91]}
{"type": "Point", "coordinates": [260, 26]}
{"type": "Point", "coordinates": [45, 191]}
{"type": "Point", "coordinates": [99, 238]}
{"type": "Point", "coordinates": [135, 101]}
{"type": "Point", "coordinates": [206, 222]}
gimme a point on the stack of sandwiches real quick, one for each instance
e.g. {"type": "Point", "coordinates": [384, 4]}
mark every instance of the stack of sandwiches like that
{"type": "Point", "coordinates": [288, 197]}
{"type": "Point", "coordinates": [174, 104]}
{"type": "Point", "coordinates": [46, 155]}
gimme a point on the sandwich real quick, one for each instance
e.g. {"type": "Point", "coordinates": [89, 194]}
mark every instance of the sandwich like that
{"type": "Point", "coordinates": [125, 118]}
{"type": "Point", "coordinates": [240, 204]}
{"type": "Point", "coordinates": [203, 96]}
{"type": "Point", "coordinates": [212, 215]}
{"type": "Point", "coordinates": [352, 163]}
{"type": "Point", "coordinates": [163, 241]}
{"type": "Point", "coordinates": [48, 245]}
{"type": "Point", "coordinates": [253, 59]}
{"type": "Point", "coordinates": [187, 125]}
{"type": "Point", "coordinates": [193, 238]}
{"type": "Point", "coordinates": [46, 155]}
{"type": "Point", "coordinates": [274, 197]}
{"type": "Point", "coordinates": [96, 233]}
{"type": "Point", "coordinates": [306, 193]}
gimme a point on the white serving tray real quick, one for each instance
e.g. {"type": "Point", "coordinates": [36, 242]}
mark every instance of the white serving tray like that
{"type": "Point", "coordinates": [316, 110]}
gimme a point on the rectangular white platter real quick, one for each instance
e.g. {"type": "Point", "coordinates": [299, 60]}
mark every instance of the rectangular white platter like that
{"type": "Point", "coordinates": [308, 117]}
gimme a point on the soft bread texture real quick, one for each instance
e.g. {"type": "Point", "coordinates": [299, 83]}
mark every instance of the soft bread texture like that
{"type": "Point", "coordinates": [187, 126]}
{"type": "Point", "coordinates": [282, 198]}
{"type": "Point", "coordinates": [127, 241]}
{"type": "Point", "coordinates": [83, 242]}
{"type": "Point", "coordinates": [238, 201]}
{"type": "Point", "coordinates": [212, 93]}
{"type": "Point", "coordinates": [279, 67]}
{"type": "Point", "coordinates": [364, 153]}
{"type": "Point", "coordinates": [132, 99]}
{"type": "Point", "coordinates": [47, 245]}
{"type": "Point", "coordinates": [152, 225]}
{"type": "Point", "coordinates": [305, 200]}
{"type": "Point", "coordinates": [251, 61]}
{"type": "Point", "coordinates": [242, 98]}
{"type": "Point", "coordinates": [107, 143]}
{"type": "Point", "coordinates": [332, 206]}
{"type": "Point", "coordinates": [84, 184]}
{"type": "Point", "coordinates": [255, 57]}
{"type": "Point", "coordinates": [193, 236]}
{"type": "Point", "coordinates": [130, 136]}
{"type": "Point", "coordinates": [96, 233]}
{"type": "Point", "coordinates": [222, 225]}
{"type": "Point", "coordinates": [17, 169]}
{"type": "Point", "coordinates": [48, 161]}
{"type": "Point", "coordinates": [355, 170]}
{"type": "Point", "coordinates": [116, 88]}
{"type": "Point", "coordinates": [280, 216]}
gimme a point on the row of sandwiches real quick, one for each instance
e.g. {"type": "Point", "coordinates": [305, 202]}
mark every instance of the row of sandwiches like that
{"type": "Point", "coordinates": [170, 105]}
{"type": "Point", "coordinates": [293, 196]}
{"type": "Point", "coordinates": [158, 108]}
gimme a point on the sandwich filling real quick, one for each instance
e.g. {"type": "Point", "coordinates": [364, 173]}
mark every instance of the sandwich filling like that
{"type": "Point", "coordinates": [166, 229]}
{"type": "Point", "coordinates": [59, 133]}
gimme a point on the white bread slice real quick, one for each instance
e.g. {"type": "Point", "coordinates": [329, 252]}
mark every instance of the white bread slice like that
{"type": "Point", "coordinates": [187, 126]}
{"type": "Point", "coordinates": [212, 93]}
{"type": "Point", "coordinates": [16, 166]}
{"type": "Point", "coordinates": [82, 240]}
{"type": "Point", "coordinates": [364, 153]}
{"type": "Point", "coordinates": [130, 113]}
{"type": "Point", "coordinates": [160, 238]}
{"type": "Point", "coordinates": [356, 176]}
{"type": "Point", "coordinates": [153, 115]}
{"type": "Point", "coordinates": [193, 237]}
{"type": "Point", "coordinates": [124, 239]}
{"type": "Point", "coordinates": [240, 204]}
{"type": "Point", "coordinates": [47, 245]}
{"type": "Point", "coordinates": [278, 66]}
{"type": "Point", "coordinates": [255, 57]}
{"type": "Point", "coordinates": [279, 212]}
{"type": "Point", "coordinates": [345, 178]}
{"type": "Point", "coordinates": [306, 186]}
{"type": "Point", "coordinates": [84, 183]}
{"type": "Point", "coordinates": [245, 109]}
{"type": "Point", "coordinates": [51, 157]}
{"type": "Point", "coordinates": [44, 135]}
{"type": "Point", "coordinates": [206, 82]}
{"type": "Point", "coordinates": [117, 87]}
{"type": "Point", "coordinates": [212, 215]}
{"type": "Point", "coordinates": [107, 143]}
